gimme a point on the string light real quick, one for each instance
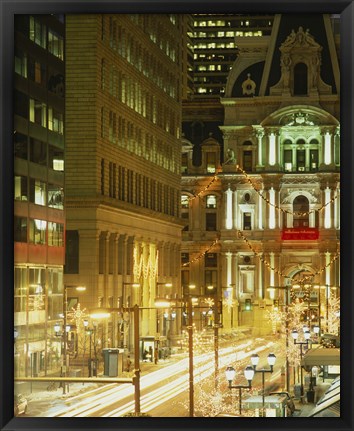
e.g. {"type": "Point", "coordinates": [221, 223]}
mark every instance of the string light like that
{"type": "Point", "coordinates": [215, 177]}
{"type": "Point", "coordinates": [284, 211]}
{"type": "Point", "coordinates": [202, 254]}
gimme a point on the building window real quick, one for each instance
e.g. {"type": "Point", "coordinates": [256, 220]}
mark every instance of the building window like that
{"type": "Point", "coordinates": [300, 80]}
{"type": "Point", "coordinates": [301, 208]}
{"type": "Point", "coordinates": [184, 201]}
{"type": "Point", "coordinates": [20, 231]}
{"type": "Point", "coordinates": [184, 258]}
{"type": "Point", "coordinates": [185, 218]}
{"type": "Point", "coordinates": [38, 152]}
{"type": "Point", "coordinates": [72, 252]}
{"type": "Point", "coordinates": [55, 158]}
{"type": "Point", "coordinates": [21, 63]}
{"type": "Point", "coordinates": [37, 231]}
{"type": "Point", "coordinates": [211, 201]}
{"type": "Point", "coordinates": [55, 121]}
{"type": "Point", "coordinates": [21, 188]}
{"type": "Point", "coordinates": [210, 221]}
{"type": "Point", "coordinates": [55, 44]}
{"type": "Point", "coordinates": [102, 176]}
{"type": "Point", "coordinates": [211, 162]}
{"type": "Point", "coordinates": [55, 234]}
{"type": "Point", "coordinates": [37, 71]}
{"type": "Point", "coordinates": [210, 279]}
{"type": "Point", "coordinates": [247, 221]}
{"type": "Point", "coordinates": [55, 196]}
{"type": "Point", "coordinates": [38, 32]}
{"type": "Point", "coordinates": [211, 260]}
{"type": "Point", "coordinates": [313, 160]}
{"type": "Point", "coordinates": [21, 104]}
{"type": "Point", "coordinates": [37, 192]}
{"type": "Point", "coordinates": [288, 160]}
{"type": "Point", "coordinates": [20, 144]}
{"type": "Point", "coordinates": [300, 160]}
{"type": "Point", "coordinates": [247, 160]}
{"type": "Point", "coordinates": [38, 112]}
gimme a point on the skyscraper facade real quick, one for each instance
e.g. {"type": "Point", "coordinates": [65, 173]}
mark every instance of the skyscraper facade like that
{"type": "Point", "coordinates": [38, 190]}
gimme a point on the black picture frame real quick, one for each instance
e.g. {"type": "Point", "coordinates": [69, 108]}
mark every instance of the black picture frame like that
{"type": "Point", "coordinates": [8, 8]}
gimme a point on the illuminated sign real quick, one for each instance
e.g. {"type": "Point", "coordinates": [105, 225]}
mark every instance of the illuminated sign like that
{"type": "Point", "coordinates": [296, 234]}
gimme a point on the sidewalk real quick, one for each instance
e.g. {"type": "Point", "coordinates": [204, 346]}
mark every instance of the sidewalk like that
{"type": "Point", "coordinates": [303, 409]}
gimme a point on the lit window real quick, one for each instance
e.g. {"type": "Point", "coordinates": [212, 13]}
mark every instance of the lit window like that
{"type": "Point", "coordinates": [37, 231]}
{"type": "Point", "coordinates": [211, 201]}
{"type": "Point", "coordinates": [184, 201]}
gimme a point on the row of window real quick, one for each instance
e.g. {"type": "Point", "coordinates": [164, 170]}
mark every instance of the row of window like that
{"type": "Point", "coordinates": [38, 232]}
{"type": "Point", "coordinates": [232, 34]}
{"type": "Point", "coordinates": [213, 45]}
{"type": "Point", "coordinates": [46, 38]}
{"type": "Point", "coordinates": [132, 93]}
{"type": "Point", "coordinates": [38, 112]}
{"type": "Point", "coordinates": [38, 192]}
{"type": "Point", "coordinates": [129, 186]}
{"type": "Point", "coordinates": [38, 72]}
{"type": "Point", "coordinates": [158, 33]}
{"type": "Point", "coordinates": [131, 137]}
{"type": "Point", "coordinates": [141, 58]}
{"type": "Point", "coordinates": [39, 152]}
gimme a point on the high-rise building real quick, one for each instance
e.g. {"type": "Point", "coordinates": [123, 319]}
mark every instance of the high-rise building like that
{"type": "Point", "coordinates": [38, 190]}
{"type": "Point", "coordinates": [122, 169]}
{"type": "Point", "coordinates": [265, 218]}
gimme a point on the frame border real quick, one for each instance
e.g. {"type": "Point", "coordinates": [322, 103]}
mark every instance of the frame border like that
{"type": "Point", "coordinates": [8, 9]}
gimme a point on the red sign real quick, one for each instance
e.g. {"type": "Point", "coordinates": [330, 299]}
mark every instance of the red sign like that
{"type": "Point", "coordinates": [303, 233]}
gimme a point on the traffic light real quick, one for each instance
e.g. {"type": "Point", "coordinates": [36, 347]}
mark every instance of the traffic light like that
{"type": "Point", "coordinates": [248, 304]}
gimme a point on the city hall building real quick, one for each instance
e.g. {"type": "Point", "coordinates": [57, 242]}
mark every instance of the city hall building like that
{"type": "Point", "coordinates": [262, 207]}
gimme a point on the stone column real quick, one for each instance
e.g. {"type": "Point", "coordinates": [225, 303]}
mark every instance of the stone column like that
{"type": "Point", "coordinates": [228, 209]}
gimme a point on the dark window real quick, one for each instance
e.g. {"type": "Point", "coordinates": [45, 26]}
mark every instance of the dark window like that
{"type": "Point", "coordinates": [211, 162]}
{"type": "Point", "coordinates": [247, 221]}
{"type": "Point", "coordinates": [211, 259]}
{"type": "Point", "coordinates": [37, 71]}
{"type": "Point", "coordinates": [313, 160]}
{"type": "Point", "coordinates": [300, 80]}
{"type": "Point", "coordinates": [210, 279]}
{"type": "Point", "coordinates": [288, 160]}
{"type": "Point", "coordinates": [20, 146]}
{"type": "Point", "coordinates": [38, 152]}
{"type": "Point", "coordinates": [300, 160]}
{"type": "Point", "coordinates": [184, 257]}
{"type": "Point", "coordinates": [185, 217]}
{"type": "Point", "coordinates": [72, 252]}
{"type": "Point", "coordinates": [210, 221]}
{"type": "Point", "coordinates": [247, 160]}
{"type": "Point", "coordinates": [300, 209]}
{"type": "Point", "coordinates": [21, 104]}
{"type": "Point", "coordinates": [20, 231]}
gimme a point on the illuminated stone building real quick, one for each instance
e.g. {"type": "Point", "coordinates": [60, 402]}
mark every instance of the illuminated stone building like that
{"type": "Point", "coordinates": [268, 190]}
{"type": "Point", "coordinates": [38, 191]}
{"type": "Point", "coordinates": [122, 173]}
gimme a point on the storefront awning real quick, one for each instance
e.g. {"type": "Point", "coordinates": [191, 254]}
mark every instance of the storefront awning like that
{"type": "Point", "coordinates": [321, 356]}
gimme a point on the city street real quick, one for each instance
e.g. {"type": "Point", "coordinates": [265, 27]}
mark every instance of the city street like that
{"type": "Point", "coordinates": [164, 387]}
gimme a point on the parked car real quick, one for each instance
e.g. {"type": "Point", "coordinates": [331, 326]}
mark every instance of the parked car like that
{"type": "Point", "coordinates": [289, 402]}
{"type": "Point", "coordinates": [20, 404]}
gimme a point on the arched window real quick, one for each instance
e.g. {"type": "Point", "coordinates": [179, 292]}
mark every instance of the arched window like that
{"type": "Point", "coordinates": [301, 209]}
{"type": "Point", "coordinates": [300, 80]}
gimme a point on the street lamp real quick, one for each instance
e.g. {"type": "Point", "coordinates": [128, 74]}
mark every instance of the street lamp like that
{"type": "Point", "coordinates": [230, 374]}
{"type": "Point", "coordinates": [66, 330]}
{"type": "Point", "coordinates": [271, 361]}
{"type": "Point", "coordinates": [307, 336]}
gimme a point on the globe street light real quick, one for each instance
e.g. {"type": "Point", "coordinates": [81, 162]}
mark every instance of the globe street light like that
{"type": "Point", "coordinates": [230, 374]}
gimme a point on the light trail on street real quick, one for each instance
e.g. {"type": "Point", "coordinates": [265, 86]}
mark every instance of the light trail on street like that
{"type": "Point", "coordinates": [164, 384]}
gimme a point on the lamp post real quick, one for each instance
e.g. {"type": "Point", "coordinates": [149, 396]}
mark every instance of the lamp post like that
{"type": "Point", "coordinates": [295, 336]}
{"type": "Point", "coordinates": [285, 288]}
{"type": "Point", "coordinates": [271, 361]}
{"type": "Point", "coordinates": [230, 374]}
{"type": "Point", "coordinates": [66, 329]}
